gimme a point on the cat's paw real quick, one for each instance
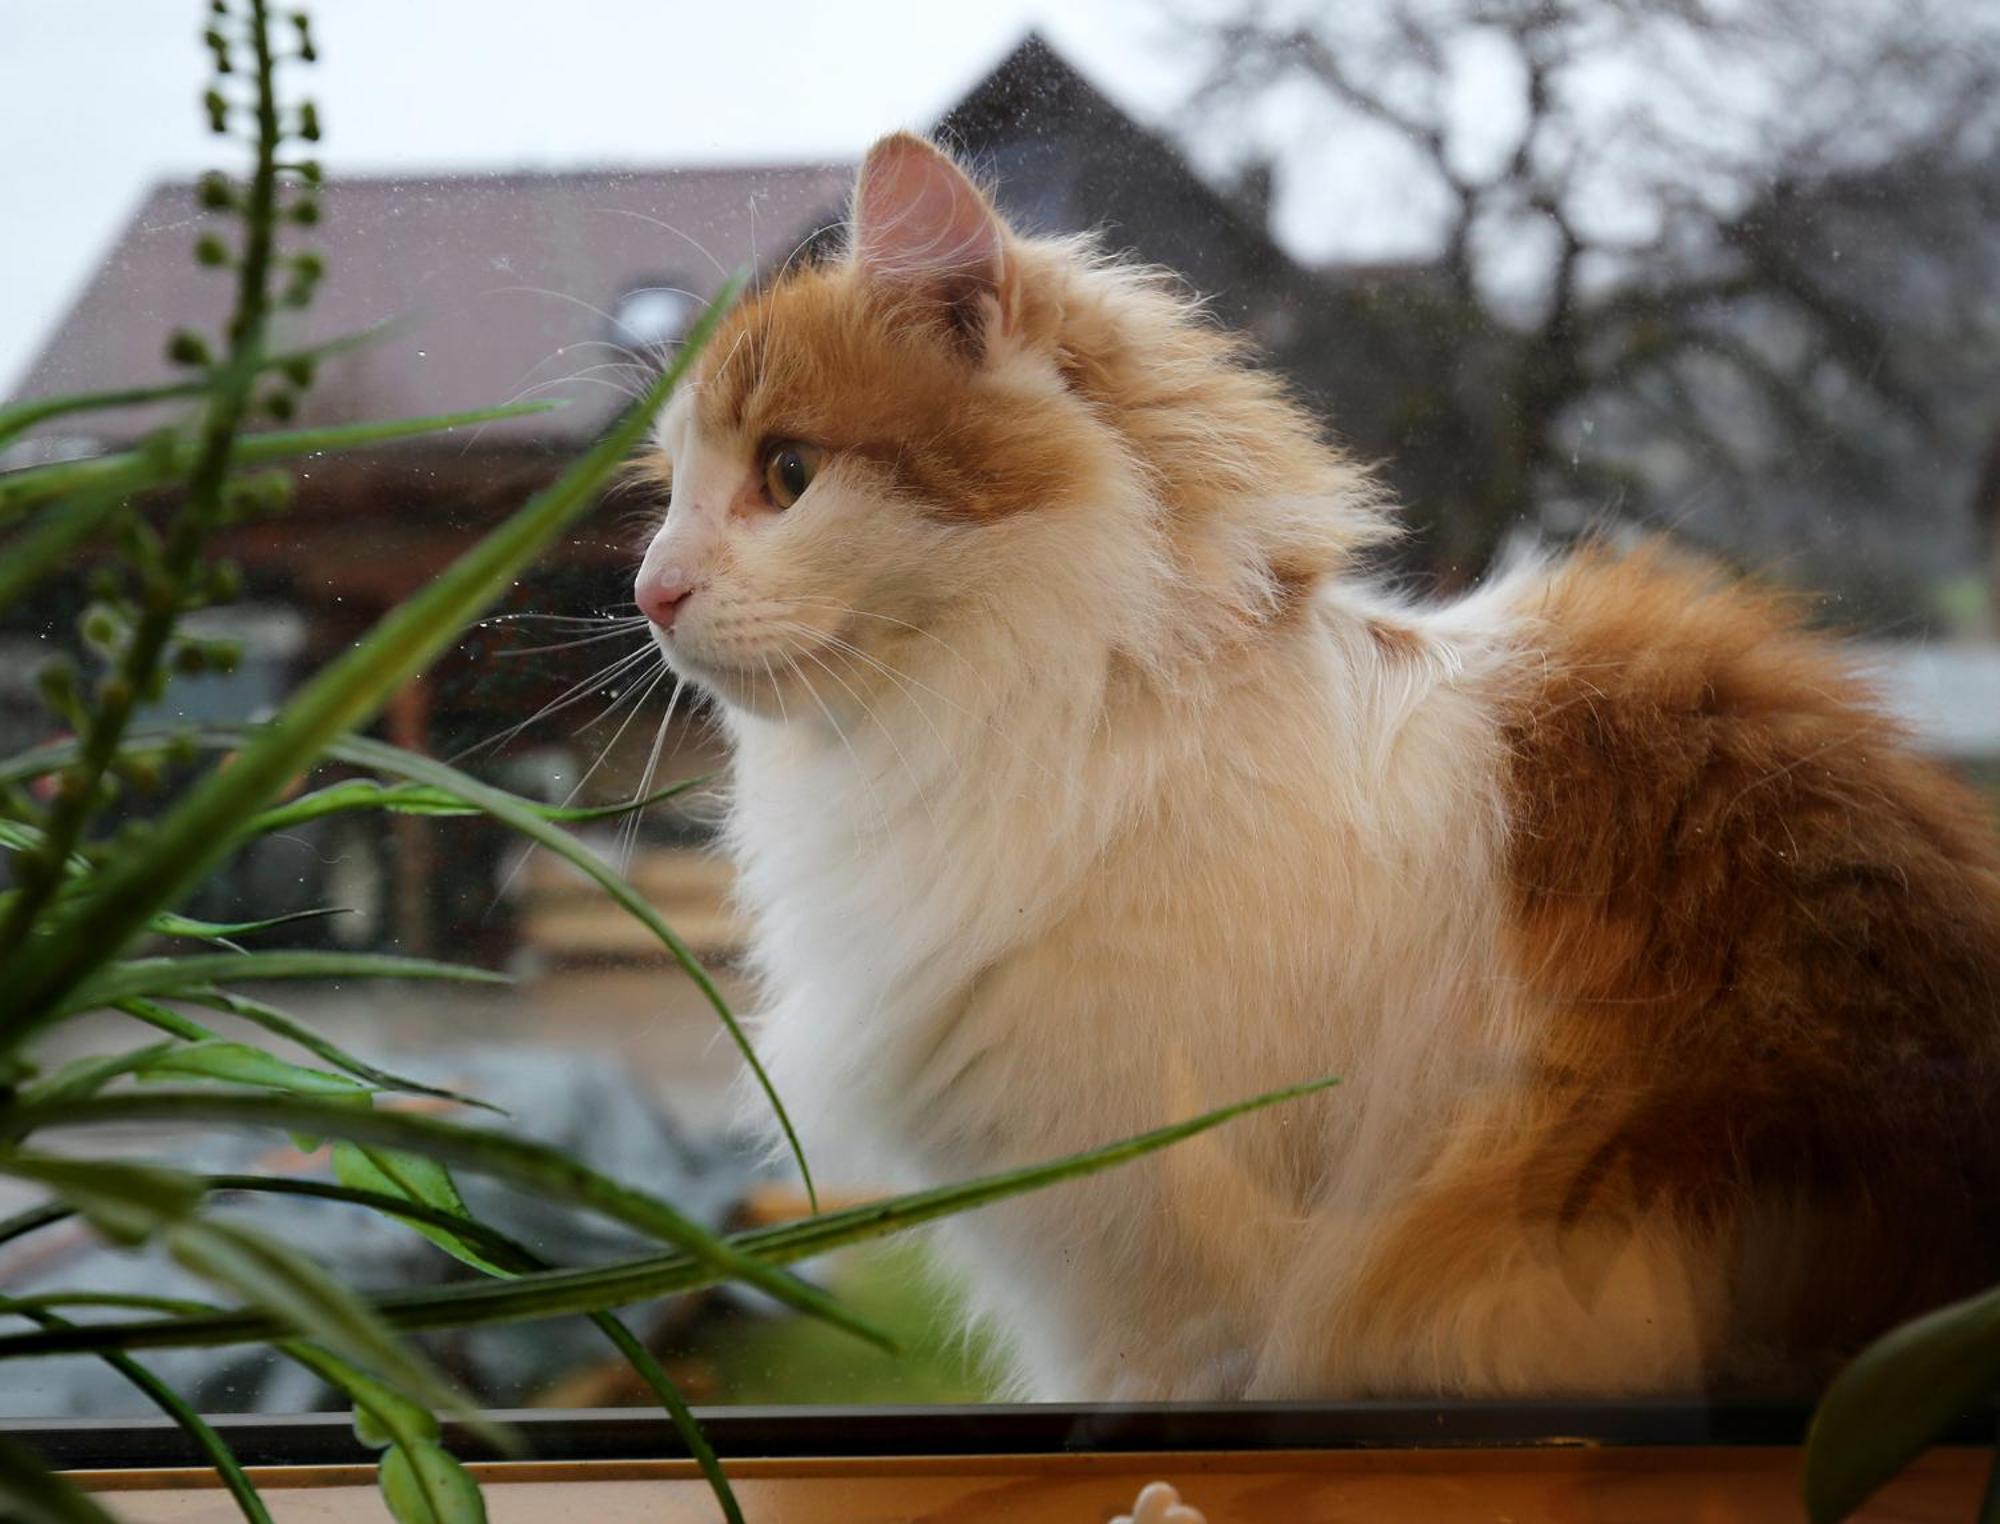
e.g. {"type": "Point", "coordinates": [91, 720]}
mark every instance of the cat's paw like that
{"type": "Point", "coordinates": [1160, 1504]}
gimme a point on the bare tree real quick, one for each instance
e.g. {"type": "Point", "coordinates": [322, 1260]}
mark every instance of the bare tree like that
{"type": "Point", "coordinates": [1653, 242]}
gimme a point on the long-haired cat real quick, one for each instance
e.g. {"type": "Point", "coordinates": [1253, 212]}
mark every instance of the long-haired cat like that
{"type": "Point", "coordinates": [1082, 781]}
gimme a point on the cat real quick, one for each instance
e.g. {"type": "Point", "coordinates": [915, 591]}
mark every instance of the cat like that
{"type": "Point", "coordinates": [1082, 781]}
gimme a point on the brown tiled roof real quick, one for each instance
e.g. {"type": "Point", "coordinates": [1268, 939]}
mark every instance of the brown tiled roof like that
{"type": "Point", "coordinates": [495, 276]}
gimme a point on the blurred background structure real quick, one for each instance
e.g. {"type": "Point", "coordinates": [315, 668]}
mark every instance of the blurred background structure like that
{"type": "Point", "coordinates": [1724, 269]}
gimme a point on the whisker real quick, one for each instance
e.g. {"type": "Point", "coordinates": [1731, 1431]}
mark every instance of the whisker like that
{"type": "Point", "coordinates": [644, 689]}
{"type": "Point", "coordinates": [568, 645]}
{"type": "Point", "coordinates": [629, 619]}
{"type": "Point", "coordinates": [629, 827]}
{"type": "Point", "coordinates": [910, 686]}
{"type": "Point", "coordinates": [777, 690]}
{"type": "Point", "coordinates": [893, 672]}
{"type": "Point", "coordinates": [624, 388]}
{"type": "Point", "coordinates": [867, 781]}
{"type": "Point", "coordinates": [668, 227]}
{"type": "Point", "coordinates": [560, 350]}
{"type": "Point", "coordinates": [556, 705]}
{"type": "Point", "coordinates": [799, 247]}
{"type": "Point", "coordinates": [889, 735]}
{"type": "Point", "coordinates": [563, 296]}
{"type": "Point", "coordinates": [915, 629]}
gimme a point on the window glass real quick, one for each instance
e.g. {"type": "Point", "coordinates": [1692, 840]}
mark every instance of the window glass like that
{"type": "Point", "coordinates": [1554, 273]}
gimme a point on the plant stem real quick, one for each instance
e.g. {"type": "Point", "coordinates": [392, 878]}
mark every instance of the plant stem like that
{"type": "Point", "coordinates": [163, 599]}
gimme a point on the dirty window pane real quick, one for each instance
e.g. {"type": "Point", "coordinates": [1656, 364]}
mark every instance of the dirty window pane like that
{"type": "Point", "coordinates": [1555, 272]}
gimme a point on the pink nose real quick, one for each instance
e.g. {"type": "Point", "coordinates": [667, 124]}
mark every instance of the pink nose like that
{"type": "Point", "coordinates": [660, 597]}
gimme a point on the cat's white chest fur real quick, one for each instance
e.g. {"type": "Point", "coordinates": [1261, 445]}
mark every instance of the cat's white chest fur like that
{"type": "Point", "coordinates": [984, 947]}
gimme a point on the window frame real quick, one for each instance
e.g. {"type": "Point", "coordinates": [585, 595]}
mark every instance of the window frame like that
{"type": "Point", "coordinates": [863, 1432]}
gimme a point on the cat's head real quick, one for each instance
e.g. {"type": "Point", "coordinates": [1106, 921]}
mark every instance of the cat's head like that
{"type": "Point", "coordinates": [957, 428]}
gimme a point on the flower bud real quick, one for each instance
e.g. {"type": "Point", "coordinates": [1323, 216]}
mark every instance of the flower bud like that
{"type": "Point", "coordinates": [99, 626]}
{"type": "Point", "coordinates": [57, 681]}
{"type": "Point", "coordinates": [187, 347]}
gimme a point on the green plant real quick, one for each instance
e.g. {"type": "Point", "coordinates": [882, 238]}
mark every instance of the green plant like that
{"type": "Point", "coordinates": [84, 898]}
{"type": "Point", "coordinates": [1897, 1399]}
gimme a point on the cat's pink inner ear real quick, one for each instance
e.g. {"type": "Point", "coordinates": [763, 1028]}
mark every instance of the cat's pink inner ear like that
{"type": "Point", "coordinates": [918, 218]}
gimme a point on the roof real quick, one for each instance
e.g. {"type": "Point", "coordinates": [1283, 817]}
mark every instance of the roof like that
{"type": "Point", "coordinates": [505, 284]}
{"type": "Point", "coordinates": [1065, 156]}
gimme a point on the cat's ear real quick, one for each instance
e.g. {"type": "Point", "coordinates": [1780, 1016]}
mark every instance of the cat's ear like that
{"type": "Point", "coordinates": [921, 224]}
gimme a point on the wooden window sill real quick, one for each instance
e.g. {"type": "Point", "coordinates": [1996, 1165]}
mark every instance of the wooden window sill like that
{"type": "Point", "coordinates": [1557, 1485]}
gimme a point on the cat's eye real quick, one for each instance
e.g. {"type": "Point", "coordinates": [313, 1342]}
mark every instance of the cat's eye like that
{"type": "Point", "coordinates": [789, 468]}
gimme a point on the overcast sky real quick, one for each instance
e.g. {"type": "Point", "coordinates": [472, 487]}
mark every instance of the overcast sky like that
{"type": "Point", "coordinates": [98, 98]}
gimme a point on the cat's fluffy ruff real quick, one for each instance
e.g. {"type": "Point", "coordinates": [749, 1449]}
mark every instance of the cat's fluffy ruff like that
{"type": "Point", "coordinates": [1078, 787]}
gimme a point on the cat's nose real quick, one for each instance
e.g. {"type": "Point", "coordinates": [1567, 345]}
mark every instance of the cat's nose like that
{"type": "Point", "coordinates": [661, 595]}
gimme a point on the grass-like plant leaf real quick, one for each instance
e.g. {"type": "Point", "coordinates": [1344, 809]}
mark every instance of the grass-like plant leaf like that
{"type": "Point", "coordinates": [539, 823]}
{"type": "Point", "coordinates": [1896, 1398]}
{"type": "Point", "coordinates": [279, 1024]}
{"type": "Point", "coordinates": [169, 1402]}
{"type": "Point", "coordinates": [383, 1416]}
{"type": "Point", "coordinates": [423, 1483]}
{"type": "Point", "coordinates": [419, 1180]}
{"type": "Point", "coordinates": [527, 821]}
{"type": "Point", "coordinates": [456, 1231]}
{"type": "Point", "coordinates": [531, 1166]}
{"type": "Point", "coordinates": [17, 418]}
{"type": "Point", "coordinates": [426, 1183]}
{"type": "Point", "coordinates": [686, 1425]}
{"type": "Point", "coordinates": [140, 470]}
{"type": "Point", "coordinates": [292, 1030]}
{"type": "Point", "coordinates": [88, 1075]}
{"type": "Point", "coordinates": [131, 1204]}
{"type": "Point", "coordinates": [125, 1202]}
{"type": "Point", "coordinates": [42, 547]}
{"type": "Point", "coordinates": [209, 1058]}
{"type": "Point", "coordinates": [165, 1019]}
{"type": "Point", "coordinates": [561, 1292]}
{"type": "Point", "coordinates": [200, 827]}
{"type": "Point", "coordinates": [397, 1206]}
{"type": "Point", "coordinates": [348, 794]}
{"type": "Point", "coordinates": [194, 975]}
{"type": "Point", "coordinates": [420, 799]}
{"type": "Point", "coordinates": [309, 1302]}
{"type": "Point", "coordinates": [18, 834]}
{"type": "Point", "coordinates": [171, 924]}
{"type": "Point", "coordinates": [419, 1480]}
{"type": "Point", "coordinates": [238, 1063]}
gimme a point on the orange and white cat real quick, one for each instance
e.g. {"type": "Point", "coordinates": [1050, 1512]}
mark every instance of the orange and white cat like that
{"type": "Point", "coordinates": [1082, 782]}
